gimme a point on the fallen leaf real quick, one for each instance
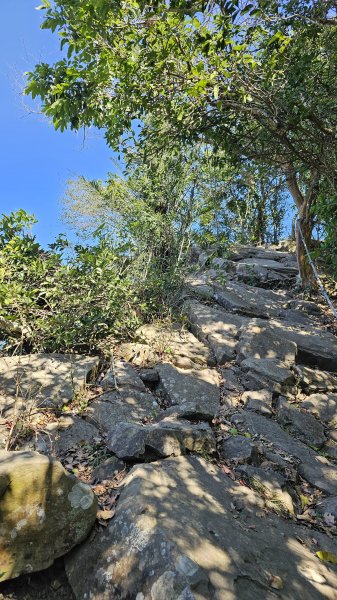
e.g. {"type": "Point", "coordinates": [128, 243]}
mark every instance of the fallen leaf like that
{"type": "Point", "coordinates": [327, 556]}
{"type": "Point", "coordinates": [105, 515]}
{"type": "Point", "coordinates": [276, 582]}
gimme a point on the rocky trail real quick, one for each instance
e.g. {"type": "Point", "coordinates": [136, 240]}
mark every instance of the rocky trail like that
{"type": "Point", "coordinates": [208, 452]}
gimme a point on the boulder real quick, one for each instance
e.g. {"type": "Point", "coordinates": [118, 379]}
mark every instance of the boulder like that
{"type": "Point", "coordinates": [43, 379]}
{"type": "Point", "coordinates": [108, 469]}
{"type": "Point", "coordinates": [44, 510]}
{"type": "Point", "coordinates": [237, 448]}
{"type": "Point", "coordinates": [184, 530]}
{"type": "Point", "coordinates": [300, 423]}
{"type": "Point", "coordinates": [200, 387]}
{"type": "Point", "coordinates": [315, 380]}
{"type": "Point", "coordinates": [113, 407]}
{"type": "Point", "coordinates": [271, 484]}
{"type": "Point", "coordinates": [255, 342]}
{"type": "Point", "coordinates": [130, 441]}
{"type": "Point", "coordinates": [67, 432]}
{"type": "Point", "coordinates": [149, 376]}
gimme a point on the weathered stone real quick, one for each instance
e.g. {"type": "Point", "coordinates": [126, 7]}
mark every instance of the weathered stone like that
{"type": "Point", "coordinates": [316, 469]}
{"type": "Point", "coordinates": [149, 375]}
{"type": "Point", "coordinates": [270, 265]}
{"type": "Point", "coordinates": [314, 380]}
{"type": "Point", "coordinates": [167, 438]}
{"type": "Point", "coordinates": [108, 469]}
{"type": "Point", "coordinates": [139, 354]}
{"type": "Point", "coordinates": [43, 379]}
{"type": "Point", "coordinates": [314, 346]}
{"type": "Point", "coordinates": [66, 432]}
{"type": "Point", "coordinates": [122, 375]}
{"type": "Point", "coordinates": [238, 448]}
{"type": "Point", "coordinates": [45, 512]}
{"type": "Point", "coordinates": [114, 407]}
{"type": "Point", "coordinates": [177, 344]}
{"type": "Point", "coordinates": [177, 534]}
{"type": "Point", "coordinates": [192, 411]}
{"type": "Point", "coordinates": [214, 327]}
{"type": "Point", "coordinates": [255, 342]}
{"type": "Point", "coordinates": [327, 509]}
{"type": "Point", "coordinates": [258, 400]}
{"type": "Point", "coordinates": [194, 386]}
{"type": "Point", "coordinates": [324, 406]}
{"type": "Point", "coordinates": [271, 484]}
{"type": "Point", "coordinates": [304, 305]}
{"type": "Point", "coordinates": [269, 374]}
{"type": "Point", "coordinates": [301, 424]}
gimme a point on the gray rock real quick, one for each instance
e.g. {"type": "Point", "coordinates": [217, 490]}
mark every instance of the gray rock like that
{"type": "Point", "coordinates": [324, 406]}
{"type": "Point", "coordinates": [301, 424]}
{"type": "Point", "coordinates": [238, 448]}
{"type": "Point", "coordinates": [177, 527]}
{"type": "Point", "coordinates": [167, 438]}
{"type": "Point", "coordinates": [108, 469]}
{"type": "Point", "coordinates": [114, 407]}
{"type": "Point", "coordinates": [67, 432]}
{"type": "Point", "coordinates": [269, 265]}
{"type": "Point", "coordinates": [200, 387]}
{"type": "Point", "coordinates": [269, 374]}
{"type": "Point", "coordinates": [149, 375]}
{"type": "Point", "coordinates": [304, 305]}
{"type": "Point", "coordinates": [327, 509]}
{"type": "Point", "coordinates": [45, 512]}
{"type": "Point", "coordinates": [122, 375]}
{"type": "Point", "coordinates": [43, 379]}
{"type": "Point", "coordinates": [314, 380]}
{"type": "Point", "coordinates": [214, 327]}
{"type": "Point", "coordinates": [316, 469]}
{"type": "Point", "coordinates": [139, 354]}
{"type": "Point", "coordinates": [271, 484]}
{"type": "Point", "coordinates": [255, 342]}
{"type": "Point", "coordinates": [258, 400]}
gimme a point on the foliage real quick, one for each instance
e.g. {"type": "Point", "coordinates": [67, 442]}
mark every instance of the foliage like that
{"type": "Point", "coordinates": [68, 299]}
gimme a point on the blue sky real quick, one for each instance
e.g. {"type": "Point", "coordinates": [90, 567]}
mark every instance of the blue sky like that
{"type": "Point", "coordinates": [35, 161]}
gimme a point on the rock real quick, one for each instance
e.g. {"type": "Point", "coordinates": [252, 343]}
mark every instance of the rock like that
{"type": "Point", "coordinates": [238, 448]}
{"type": "Point", "coordinates": [314, 380]}
{"type": "Point", "coordinates": [316, 469]}
{"type": "Point", "coordinates": [301, 424]}
{"type": "Point", "coordinates": [177, 534]}
{"type": "Point", "coordinates": [324, 406]}
{"type": "Point", "coordinates": [314, 346]}
{"type": "Point", "coordinates": [108, 469]}
{"type": "Point", "coordinates": [149, 375]}
{"type": "Point", "coordinates": [167, 438]}
{"type": "Point", "coordinates": [269, 374]}
{"type": "Point", "coordinates": [45, 512]}
{"type": "Point", "coordinates": [67, 432]}
{"type": "Point", "coordinates": [255, 263]}
{"type": "Point", "coordinates": [271, 484]}
{"type": "Point", "coordinates": [44, 379]}
{"type": "Point", "coordinates": [330, 449]}
{"type": "Point", "coordinates": [139, 354]}
{"type": "Point", "coordinates": [177, 344]}
{"type": "Point", "coordinates": [122, 375]}
{"type": "Point", "coordinates": [327, 509]}
{"type": "Point", "coordinates": [114, 407]}
{"type": "Point", "coordinates": [258, 400]}
{"type": "Point", "coordinates": [304, 305]}
{"type": "Point", "coordinates": [200, 387]}
{"type": "Point", "coordinates": [255, 342]}
{"type": "Point", "coordinates": [214, 327]}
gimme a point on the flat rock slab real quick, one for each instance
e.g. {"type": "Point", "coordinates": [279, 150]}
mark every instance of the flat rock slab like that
{"type": "Point", "coordinates": [200, 387]}
{"type": "Point", "coordinates": [178, 535]}
{"type": "Point", "coordinates": [315, 347]}
{"type": "Point", "coordinates": [267, 373]}
{"type": "Point", "coordinates": [270, 265]}
{"type": "Point", "coordinates": [316, 469]}
{"type": "Point", "coordinates": [122, 375]}
{"type": "Point", "coordinates": [256, 342]}
{"type": "Point", "coordinates": [177, 344]}
{"type": "Point", "coordinates": [218, 329]}
{"type": "Point", "coordinates": [45, 512]}
{"type": "Point", "coordinates": [114, 407]}
{"type": "Point", "coordinates": [303, 425]}
{"type": "Point", "coordinates": [324, 406]}
{"type": "Point", "coordinates": [258, 400]}
{"type": "Point", "coordinates": [167, 438]}
{"type": "Point", "coordinates": [43, 379]}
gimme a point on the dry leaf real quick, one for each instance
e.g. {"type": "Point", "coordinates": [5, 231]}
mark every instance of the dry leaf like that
{"type": "Point", "coordinates": [327, 556]}
{"type": "Point", "coordinates": [105, 515]}
{"type": "Point", "coordinates": [276, 582]}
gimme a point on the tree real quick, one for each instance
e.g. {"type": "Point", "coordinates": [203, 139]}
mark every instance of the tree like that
{"type": "Point", "coordinates": [254, 79]}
